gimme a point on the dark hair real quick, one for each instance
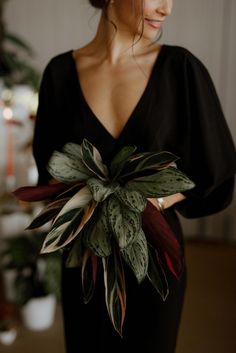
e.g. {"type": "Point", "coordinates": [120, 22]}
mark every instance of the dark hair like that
{"type": "Point", "coordinates": [99, 4]}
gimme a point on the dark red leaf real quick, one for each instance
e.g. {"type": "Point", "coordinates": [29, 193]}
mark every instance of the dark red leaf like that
{"type": "Point", "coordinates": [40, 193]}
{"type": "Point", "coordinates": [161, 237]}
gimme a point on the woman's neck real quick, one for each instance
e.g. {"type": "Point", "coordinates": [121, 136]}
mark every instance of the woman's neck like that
{"type": "Point", "coordinates": [116, 44]}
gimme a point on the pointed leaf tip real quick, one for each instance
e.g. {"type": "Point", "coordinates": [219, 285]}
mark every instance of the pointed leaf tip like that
{"type": "Point", "coordinates": [39, 193]}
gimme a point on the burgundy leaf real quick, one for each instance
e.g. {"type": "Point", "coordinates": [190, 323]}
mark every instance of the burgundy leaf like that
{"type": "Point", "coordinates": [162, 238]}
{"type": "Point", "coordinates": [88, 275]}
{"type": "Point", "coordinates": [40, 193]}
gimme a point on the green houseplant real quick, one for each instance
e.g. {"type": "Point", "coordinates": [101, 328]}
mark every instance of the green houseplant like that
{"type": "Point", "coordinates": [100, 214]}
{"type": "Point", "coordinates": [15, 57]}
{"type": "Point", "coordinates": [37, 277]}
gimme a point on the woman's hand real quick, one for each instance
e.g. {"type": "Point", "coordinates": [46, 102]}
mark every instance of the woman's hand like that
{"type": "Point", "coordinates": [168, 201]}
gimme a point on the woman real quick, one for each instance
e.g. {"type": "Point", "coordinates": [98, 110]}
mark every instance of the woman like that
{"type": "Point", "coordinates": [124, 88]}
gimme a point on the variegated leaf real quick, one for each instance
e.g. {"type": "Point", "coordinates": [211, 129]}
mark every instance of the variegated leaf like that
{"type": "Point", "coordinates": [48, 213]}
{"type": "Point", "coordinates": [115, 291]}
{"type": "Point", "coordinates": [97, 236]}
{"type": "Point", "coordinates": [62, 229]}
{"type": "Point", "coordinates": [165, 182]}
{"type": "Point", "coordinates": [147, 163]}
{"type": "Point", "coordinates": [120, 159]}
{"type": "Point", "coordinates": [136, 256]}
{"type": "Point", "coordinates": [73, 150]}
{"type": "Point", "coordinates": [100, 190]}
{"type": "Point", "coordinates": [87, 214]}
{"type": "Point", "coordinates": [124, 223]}
{"type": "Point", "coordinates": [156, 274]}
{"type": "Point", "coordinates": [147, 160]}
{"type": "Point", "coordinates": [131, 199]}
{"type": "Point", "coordinates": [71, 190]}
{"type": "Point", "coordinates": [67, 232]}
{"type": "Point", "coordinates": [79, 200]}
{"type": "Point", "coordinates": [52, 238]}
{"type": "Point", "coordinates": [65, 169]}
{"type": "Point", "coordinates": [93, 160]}
{"type": "Point", "coordinates": [74, 257]}
{"type": "Point", "coordinates": [88, 275]}
{"type": "Point", "coordinates": [67, 216]}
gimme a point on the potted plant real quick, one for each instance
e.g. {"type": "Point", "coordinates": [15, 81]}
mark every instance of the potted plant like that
{"type": "Point", "coordinates": [15, 57]}
{"type": "Point", "coordinates": [36, 284]}
{"type": "Point", "coordinates": [8, 330]}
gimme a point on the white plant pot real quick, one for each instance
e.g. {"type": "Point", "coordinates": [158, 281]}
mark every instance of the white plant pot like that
{"type": "Point", "coordinates": [38, 314]}
{"type": "Point", "coordinates": [8, 337]}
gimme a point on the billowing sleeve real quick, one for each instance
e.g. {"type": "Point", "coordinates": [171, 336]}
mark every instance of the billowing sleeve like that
{"type": "Point", "coordinates": [45, 126]}
{"type": "Point", "coordinates": [206, 147]}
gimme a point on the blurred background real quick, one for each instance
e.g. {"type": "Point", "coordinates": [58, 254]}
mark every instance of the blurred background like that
{"type": "Point", "coordinates": [31, 33]}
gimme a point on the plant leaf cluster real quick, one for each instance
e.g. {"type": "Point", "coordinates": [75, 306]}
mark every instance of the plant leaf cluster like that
{"type": "Point", "coordinates": [22, 253]}
{"type": "Point", "coordinates": [99, 216]}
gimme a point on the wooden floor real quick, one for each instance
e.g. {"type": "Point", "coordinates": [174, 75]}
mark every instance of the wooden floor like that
{"type": "Point", "coordinates": [209, 317]}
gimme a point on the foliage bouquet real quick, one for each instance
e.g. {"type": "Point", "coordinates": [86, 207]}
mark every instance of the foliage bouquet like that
{"type": "Point", "coordinates": [102, 213]}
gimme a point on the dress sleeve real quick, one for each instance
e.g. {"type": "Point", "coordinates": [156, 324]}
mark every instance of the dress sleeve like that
{"type": "Point", "coordinates": [44, 132]}
{"type": "Point", "coordinates": [206, 148]}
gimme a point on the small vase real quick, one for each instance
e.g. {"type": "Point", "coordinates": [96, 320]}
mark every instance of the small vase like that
{"type": "Point", "coordinates": [38, 314]}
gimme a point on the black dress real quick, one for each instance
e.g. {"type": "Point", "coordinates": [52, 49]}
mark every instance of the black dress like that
{"type": "Point", "coordinates": [179, 111]}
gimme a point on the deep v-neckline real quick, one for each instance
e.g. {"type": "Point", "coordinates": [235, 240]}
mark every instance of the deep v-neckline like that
{"type": "Point", "coordinates": [136, 107]}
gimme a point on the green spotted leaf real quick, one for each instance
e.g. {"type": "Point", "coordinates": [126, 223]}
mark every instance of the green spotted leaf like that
{"type": "Point", "coordinates": [131, 199]}
{"type": "Point", "coordinates": [120, 160]}
{"type": "Point", "coordinates": [166, 182]}
{"type": "Point", "coordinates": [66, 169]}
{"type": "Point", "coordinates": [97, 235]}
{"type": "Point", "coordinates": [124, 223]}
{"type": "Point", "coordinates": [115, 291]}
{"type": "Point", "coordinates": [93, 160]}
{"type": "Point", "coordinates": [73, 150]}
{"type": "Point", "coordinates": [136, 256]}
{"type": "Point", "coordinates": [101, 190]}
{"type": "Point", "coordinates": [142, 162]}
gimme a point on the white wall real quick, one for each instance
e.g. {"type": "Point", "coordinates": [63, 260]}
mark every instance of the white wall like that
{"type": "Point", "coordinates": [51, 26]}
{"type": "Point", "coordinates": [205, 27]}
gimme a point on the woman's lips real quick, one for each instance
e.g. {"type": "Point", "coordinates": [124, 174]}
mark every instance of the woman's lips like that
{"type": "Point", "coordinates": [155, 24]}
